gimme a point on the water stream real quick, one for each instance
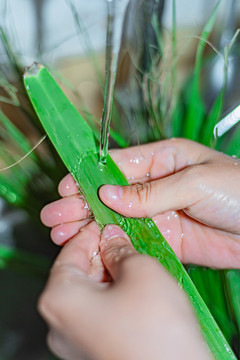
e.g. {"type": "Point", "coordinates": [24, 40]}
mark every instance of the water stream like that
{"type": "Point", "coordinates": [115, 19]}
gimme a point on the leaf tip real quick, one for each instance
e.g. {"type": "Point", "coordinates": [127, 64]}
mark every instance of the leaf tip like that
{"type": "Point", "coordinates": [32, 69]}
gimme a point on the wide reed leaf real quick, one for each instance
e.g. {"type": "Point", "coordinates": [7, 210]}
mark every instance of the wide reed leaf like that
{"type": "Point", "coordinates": [79, 150]}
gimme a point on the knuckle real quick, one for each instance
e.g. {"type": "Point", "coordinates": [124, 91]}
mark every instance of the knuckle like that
{"type": "Point", "coordinates": [143, 191]}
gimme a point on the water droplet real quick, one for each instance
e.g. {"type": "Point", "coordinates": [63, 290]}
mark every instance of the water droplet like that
{"type": "Point", "coordinates": [117, 258]}
{"type": "Point", "coordinates": [168, 231]}
{"type": "Point", "coordinates": [169, 217]}
{"type": "Point", "coordinates": [234, 156]}
{"type": "Point", "coordinates": [182, 235]}
{"type": "Point", "coordinates": [59, 214]}
{"type": "Point", "coordinates": [148, 174]}
{"type": "Point", "coordinates": [235, 163]}
{"type": "Point", "coordinates": [130, 205]}
{"type": "Point", "coordinates": [86, 206]}
{"type": "Point", "coordinates": [135, 161]}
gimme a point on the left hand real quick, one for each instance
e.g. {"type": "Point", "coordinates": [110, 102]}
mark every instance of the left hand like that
{"type": "Point", "coordinates": [191, 191]}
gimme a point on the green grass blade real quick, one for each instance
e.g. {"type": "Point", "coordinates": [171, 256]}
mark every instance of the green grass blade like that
{"type": "Point", "coordinates": [233, 284]}
{"type": "Point", "coordinates": [196, 110]}
{"type": "Point", "coordinates": [75, 142]}
{"type": "Point", "coordinates": [209, 283]}
{"type": "Point", "coordinates": [16, 136]}
{"type": "Point", "coordinates": [212, 119]}
{"type": "Point", "coordinates": [10, 90]}
{"type": "Point", "coordinates": [216, 111]}
{"type": "Point", "coordinates": [232, 145]}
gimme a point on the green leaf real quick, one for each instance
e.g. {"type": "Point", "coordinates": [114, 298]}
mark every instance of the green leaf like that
{"type": "Point", "coordinates": [212, 119]}
{"type": "Point", "coordinates": [75, 143]}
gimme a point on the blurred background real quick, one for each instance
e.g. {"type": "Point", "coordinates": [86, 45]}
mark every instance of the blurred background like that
{"type": "Point", "coordinates": [177, 76]}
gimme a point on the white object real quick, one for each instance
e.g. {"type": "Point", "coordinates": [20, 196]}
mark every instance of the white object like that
{"type": "Point", "coordinates": [227, 122]}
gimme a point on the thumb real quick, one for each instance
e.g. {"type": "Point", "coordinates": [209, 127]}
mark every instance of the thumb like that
{"type": "Point", "coordinates": [115, 246]}
{"type": "Point", "coordinates": [174, 192]}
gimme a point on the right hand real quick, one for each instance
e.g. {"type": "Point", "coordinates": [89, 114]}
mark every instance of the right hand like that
{"type": "Point", "coordinates": [191, 191]}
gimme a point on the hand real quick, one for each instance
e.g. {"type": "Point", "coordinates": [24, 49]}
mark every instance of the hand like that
{"type": "Point", "coordinates": [141, 314]}
{"type": "Point", "coordinates": [191, 191]}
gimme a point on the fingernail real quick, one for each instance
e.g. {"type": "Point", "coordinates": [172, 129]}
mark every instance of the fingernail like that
{"type": "Point", "coordinates": [113, 231]}
{"type": "Point", "coordinates": [111, 192]}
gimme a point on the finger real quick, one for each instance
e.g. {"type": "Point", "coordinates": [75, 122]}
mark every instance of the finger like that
{"type": "Point", "coordinates": [82, 252]}
{"type": "Point", "coordinates": [62, 233]}
{"type": "Point", "coordinates": [74, 263]}
{"type": "Point", "coordinates": [65, 210]}
{"type": "Point", "coordinates": [71, 296]}
{"type": "Point", "coordinates": [115, 246]}
{"type": "Point", "coordinates": [79, 251]}
{"type": "Point", "coordinates": [156, 160]}
{"type": "Point", "coordinates": [70, 304]}
{"type": "Point", "coordinates": [126, 266]}
{"type": "Point", "coordinates": [175, 192]}
{"type": "Point", "coordinates": [67, 186]}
